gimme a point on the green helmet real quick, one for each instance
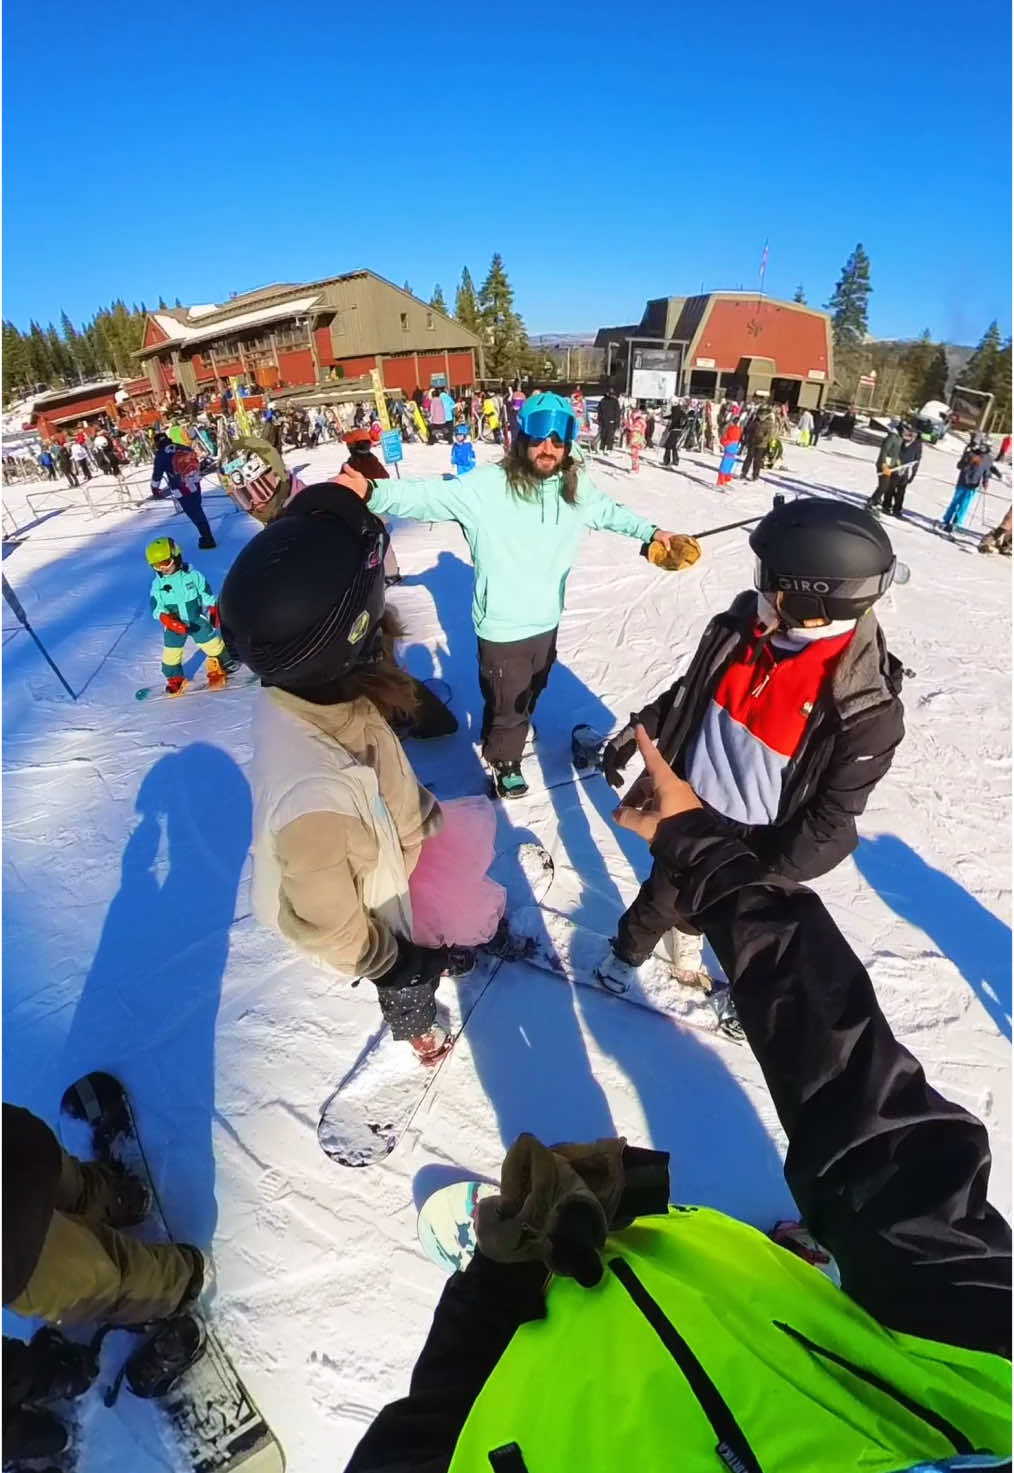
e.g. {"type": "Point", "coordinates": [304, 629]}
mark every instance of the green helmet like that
{"type": "Point", "coordinates": [161, 550]}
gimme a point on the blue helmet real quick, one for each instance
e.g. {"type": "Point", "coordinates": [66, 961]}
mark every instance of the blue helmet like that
{"type": "Point", "coordinates": [460, 429]}
{"type": "Point", "coordinates": [548, 414]}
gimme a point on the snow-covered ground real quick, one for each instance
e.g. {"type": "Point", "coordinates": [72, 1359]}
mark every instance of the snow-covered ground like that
{"type": "Point", "coordinates": [129, 945]}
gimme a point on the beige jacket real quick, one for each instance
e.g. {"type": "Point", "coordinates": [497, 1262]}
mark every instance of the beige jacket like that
{"type": "Point", "coordinates": [339, 820]}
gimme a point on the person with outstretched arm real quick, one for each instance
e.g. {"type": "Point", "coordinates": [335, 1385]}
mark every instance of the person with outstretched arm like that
{"type": "Point", "coordinates": [598, 1328]}
{"type": "Point", "coordinates": [522, 519]}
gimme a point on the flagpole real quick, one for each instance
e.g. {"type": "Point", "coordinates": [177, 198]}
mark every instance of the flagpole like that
{"type": "Point", "coordinates": [763, 267]}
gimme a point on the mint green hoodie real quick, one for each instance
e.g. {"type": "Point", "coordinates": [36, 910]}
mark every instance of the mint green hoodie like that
{"type": "Point", "coordinates": [522, 549]}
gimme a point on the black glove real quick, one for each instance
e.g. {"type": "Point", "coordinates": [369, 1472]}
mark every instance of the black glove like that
{"type": "Point", "coordinates": [616, 753]}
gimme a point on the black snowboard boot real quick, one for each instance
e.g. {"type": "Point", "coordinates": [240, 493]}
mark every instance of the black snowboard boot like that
{"type": "Point", "coordinates": [205, 544]}
{"type": "Point", "coordinates": [159, 1362]}
{"type": "Point", "coordinates": [460, 961]}
{"type": "Point", "coordinates": [30, 1434]}
{"type": "Point", "coordinates": [509, 780]}
{"type": "Point", "coordinates": [61, 1369]}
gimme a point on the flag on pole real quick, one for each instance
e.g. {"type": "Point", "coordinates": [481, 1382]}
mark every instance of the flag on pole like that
{"type": "Point", "coordinates": [764, 264]}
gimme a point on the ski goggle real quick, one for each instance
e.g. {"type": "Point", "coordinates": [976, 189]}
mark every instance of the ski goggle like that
{"type": "Point", "coordinates": [767, 580]}
{"type": "Point", "coordinates": [542, 424]}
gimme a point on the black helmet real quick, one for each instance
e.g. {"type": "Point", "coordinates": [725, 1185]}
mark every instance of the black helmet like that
{"type": "Point", "coordinates": [827, 559]}
{"type": "Point", "coordinates": [301, 604]}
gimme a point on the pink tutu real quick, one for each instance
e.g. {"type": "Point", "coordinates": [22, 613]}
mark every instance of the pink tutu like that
{"type": "Point", "coordinates": [454, 902]}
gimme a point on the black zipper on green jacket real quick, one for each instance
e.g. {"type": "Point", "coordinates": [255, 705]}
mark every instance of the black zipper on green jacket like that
{"type": "Point", "coordinates": [733, 1448]}
{"type": "Point", "coordinates": [940, 1424]}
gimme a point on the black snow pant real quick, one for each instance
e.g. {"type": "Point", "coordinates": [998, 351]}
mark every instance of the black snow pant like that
{"type": "Point", "coordinates": [672, 450]}
{"type": "Point", "coordinates": [888, 1175]}
{"type": "Point", "coordinates": [607, 436]}
{"type": "Point", "coordinates": [894, 500]}
{"type": "Point", "coordinates": [190, 505]}
{"type": "Point", "coordinates": [512, 677]}
{"type": "Point", "coordinates": [753, 463]}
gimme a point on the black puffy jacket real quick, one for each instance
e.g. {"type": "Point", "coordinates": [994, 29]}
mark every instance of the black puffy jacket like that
{"type": "Point", "coordinates": [847, 748]}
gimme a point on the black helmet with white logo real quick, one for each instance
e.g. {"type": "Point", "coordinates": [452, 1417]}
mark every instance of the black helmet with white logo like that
{"type": "Point", "coordinates": [827, 559]}
{"type": "Point", "coordinates": [302, 603]}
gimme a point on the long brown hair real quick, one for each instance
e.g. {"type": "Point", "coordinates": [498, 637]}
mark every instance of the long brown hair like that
{"type": "Point", "coordinates": [382, 681]}
{"type": "Point", "coordinates": [524, 480]}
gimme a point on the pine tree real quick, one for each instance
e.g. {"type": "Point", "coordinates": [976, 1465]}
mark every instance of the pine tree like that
{"type": "Point", "coordinates": [408, 288]}
{"type": "Point", "coordinates": [502, 328]}
{"type": "Point", "coordinates": [17, 372]}
{"type": "Point", "coordinates": [73, 344]}
{"type": "Point", "coordinates": [163, 305]}
{"type": "Point", "coordinates": [437, 300]}
{"type": "Point", "coordinates": [59, 358]}
{"type": "Point", "coordinates": [849, 304]}
{"type": "Point", "coordinates": [1002, 389]}
{"type": "Point", "coordinates": [466, 307]}
{"type": "Point", "coordinates": [981, 369]}
{"type": "Point", "coordinates": [915, 363]}
{"type": "Point", "coordinates": [40, 367]}
{"type": "Point", "coordinates": [799, 295]}
{"type": "Point", "coordinates": [935, 383]}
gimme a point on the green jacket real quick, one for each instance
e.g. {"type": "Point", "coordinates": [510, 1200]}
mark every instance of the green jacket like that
{"type": "Point", "coordinates": [706, 1338]}
{"type": "Point", "coordinates": [186, 594]}
{"type": "Point", "coordinates": [522, 549]}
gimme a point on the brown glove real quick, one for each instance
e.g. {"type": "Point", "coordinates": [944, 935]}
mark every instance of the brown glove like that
{"type": "Point", "coordinates": [556, 1205]}
{"type": "Point", "coordinates": [682, 552]}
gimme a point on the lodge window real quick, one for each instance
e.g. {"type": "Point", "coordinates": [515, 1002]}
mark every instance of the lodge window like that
{"type": "Point", "coordinates": [404, 321]}
{"type": "Point", "coordinates": [429, 322]}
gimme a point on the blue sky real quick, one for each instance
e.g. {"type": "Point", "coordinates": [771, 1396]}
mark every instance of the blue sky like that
{"type": "Point", "coordinates": [195, 150]}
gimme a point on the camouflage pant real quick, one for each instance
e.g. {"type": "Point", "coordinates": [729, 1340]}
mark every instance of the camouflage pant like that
{"type": "Point", "coordinates": [90, 1271]}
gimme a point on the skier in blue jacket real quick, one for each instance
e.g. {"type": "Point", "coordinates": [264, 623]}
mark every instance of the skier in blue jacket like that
{"type": "Point", "coordinates": [181, 467]}
{"type": "Point", "coordinates": [522, 519]}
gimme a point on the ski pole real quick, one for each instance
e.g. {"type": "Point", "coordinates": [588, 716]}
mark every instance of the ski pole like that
{"type": "Point", "coordinates": [728, 526]}
{"type": "Point", "coordinates": [777, 500]}
{"type": "Point", "coordinates": [22, 618]}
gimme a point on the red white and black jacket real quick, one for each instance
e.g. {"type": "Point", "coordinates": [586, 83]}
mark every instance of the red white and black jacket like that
{"type": "Point", "coordinates": [827, 769]}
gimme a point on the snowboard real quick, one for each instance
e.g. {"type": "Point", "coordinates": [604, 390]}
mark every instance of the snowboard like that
{"type": "Point", "coordinates": [364, 1118]}
{"type": "Point", "coordinates": [240, 681]}
{"type": "Point", "coordinates": [554, 943]}
{"type": "Point", "coordinates": [212, 1424]}
{"type": "Point", "coordinates": [446, 1223]}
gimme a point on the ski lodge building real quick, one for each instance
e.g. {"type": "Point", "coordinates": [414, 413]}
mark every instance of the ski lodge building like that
{"type": "Point", "coordinates": [726, 345]}
{"type": "Point", "coordinates": [286, 337]}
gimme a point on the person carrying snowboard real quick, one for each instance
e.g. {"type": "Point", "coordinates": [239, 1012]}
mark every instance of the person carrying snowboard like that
{"type": "Point", "coordinates": [183, 603]}
{"type": "Point", "coordinates": [522, 519]}
{"type": "Point", "coordinates": [598, 1328]}
{"type": "Point", "coordinates": [786, 719]}
{"type": "Point", "coordinates": [180, 466]}
{"type": "Point", "coordinates": [354, 862]}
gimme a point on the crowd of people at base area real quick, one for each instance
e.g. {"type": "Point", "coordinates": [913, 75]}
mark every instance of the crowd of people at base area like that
{"type": "Point", "coordinates": [751, 772]}
{"type": "Point", "coordinates": [93, 450]}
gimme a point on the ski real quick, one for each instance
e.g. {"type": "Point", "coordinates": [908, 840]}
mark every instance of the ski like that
{"type": "Point", "coordinates": [553, 943]}
{"type": "Point", "coordinates": [367, 1114]}
{"type": "Point", "coordinates": [210, 1421]}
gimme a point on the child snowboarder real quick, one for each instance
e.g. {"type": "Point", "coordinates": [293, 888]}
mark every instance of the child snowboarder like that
{"type": "Point", "coordinates": [462, 451]}
{"type": "Point", "coordinates": [730, 443]}
{"type": "Point", "coordinates": [354, 861]}
{"type": "Point", "coordinates": [787, 717]}
{"type": "Point", "coordinates": [636, 437]}
{"type": "Point", "coordinates": [183, 603]}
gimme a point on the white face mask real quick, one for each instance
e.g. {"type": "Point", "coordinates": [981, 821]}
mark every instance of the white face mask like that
{"type": "Point", "coordinates": [796, 638]}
